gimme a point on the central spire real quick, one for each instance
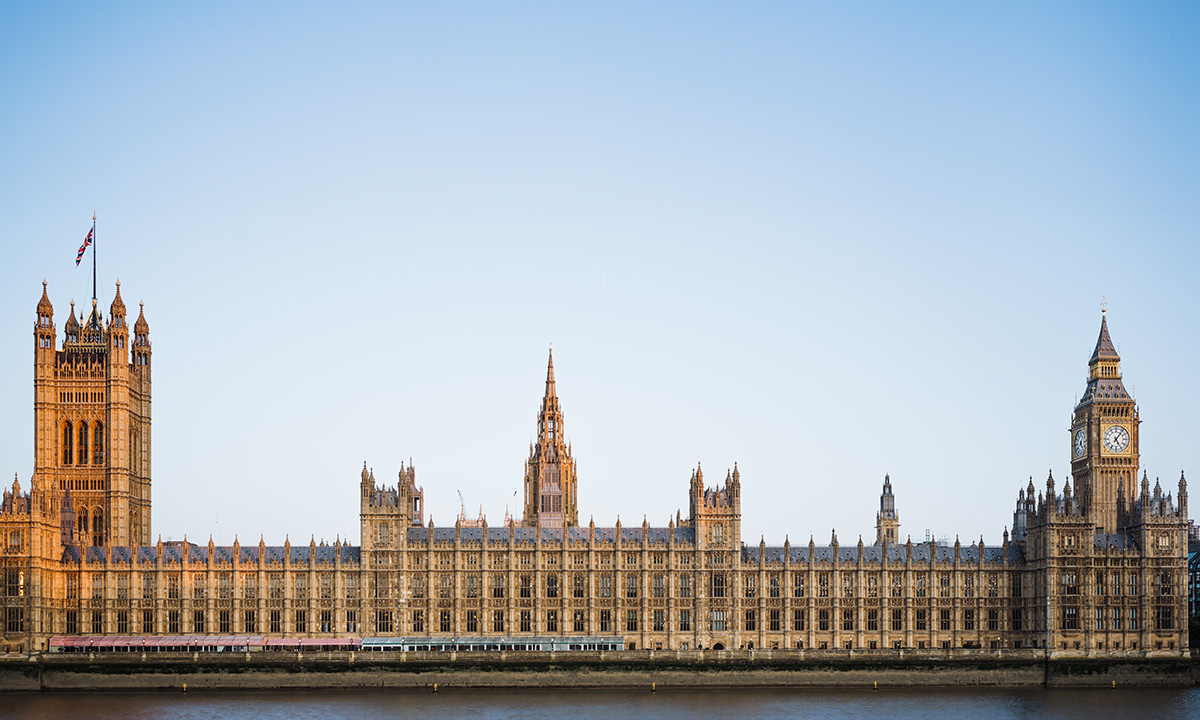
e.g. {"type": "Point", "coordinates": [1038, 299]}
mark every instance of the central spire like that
{"type": "Point", "coordinates": [550, 471]}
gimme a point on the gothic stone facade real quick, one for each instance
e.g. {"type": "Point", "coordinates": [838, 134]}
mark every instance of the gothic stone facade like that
{"type": "Point", "coordinates": [1096, 569]}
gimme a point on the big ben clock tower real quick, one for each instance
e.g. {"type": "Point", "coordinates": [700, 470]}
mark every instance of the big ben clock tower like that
{"type": "Point", "coordinates": [1104, 436]}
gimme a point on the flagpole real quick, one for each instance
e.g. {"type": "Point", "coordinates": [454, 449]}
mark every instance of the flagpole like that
{"type": "Point", "coordinates": [93, 257]}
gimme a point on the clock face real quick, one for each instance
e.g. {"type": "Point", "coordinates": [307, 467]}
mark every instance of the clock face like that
{"type": "Point", "coordinates": [1080, 442]}
{"type": "Point", "coordinates": [1116, 438]}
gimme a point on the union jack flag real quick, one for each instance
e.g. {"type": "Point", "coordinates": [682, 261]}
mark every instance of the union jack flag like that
{"type": "Point", "coordinates": [86, 241]}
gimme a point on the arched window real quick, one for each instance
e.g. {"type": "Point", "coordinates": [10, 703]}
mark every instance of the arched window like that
{"type": "Point", "coordinates": [67, 445]}
{"type": "Point", "coordinates": [97, 527]}
{"type": "Point", "coordinates": [98, 443]}
{"type": "Point", "coordinates": [83, 517]}
{"type": "Point", "coordinates": [83, 443]}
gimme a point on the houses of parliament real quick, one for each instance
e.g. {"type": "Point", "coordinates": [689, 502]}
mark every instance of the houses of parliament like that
{"type": "Point", "coordinates": [1095, 564]}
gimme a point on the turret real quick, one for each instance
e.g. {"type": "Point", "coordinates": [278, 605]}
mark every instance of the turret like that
{"type": "Point", "coordinates": [716, 512]}
{"type": "Point", "coordinates": [386, 513]}
{"type": "Point", "coordinates": [118, 331]}
{"type": "Point", "coordinates": [71, 329]}
{"type": "Point", "coordinates": [141, 342]}
{"type": "Point", "coordinates": [1181, 498]}
{"type": "Point", "coordinates": [43, 327]}
{"type": "Point", "coordinates": [887, 522]}
{"type": "Point", "coordinates": [1020, 517]}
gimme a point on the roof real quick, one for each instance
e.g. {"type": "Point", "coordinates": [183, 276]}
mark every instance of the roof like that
{"type": "Point", "coordinates": [1104, 344]}
{"type": "Point", "coordinates": [875, 554]}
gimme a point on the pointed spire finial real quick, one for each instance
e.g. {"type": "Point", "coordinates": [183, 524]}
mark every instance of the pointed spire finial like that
{"type": "Point", "coordinates": [550, 374]}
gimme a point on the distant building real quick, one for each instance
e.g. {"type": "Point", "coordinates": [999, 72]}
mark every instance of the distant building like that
{"type": "Point", "coordinates": [1095, 567]}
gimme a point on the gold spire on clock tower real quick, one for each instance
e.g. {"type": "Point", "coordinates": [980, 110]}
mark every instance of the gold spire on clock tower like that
{"type": "Point", "coordinates": [1104, 436]}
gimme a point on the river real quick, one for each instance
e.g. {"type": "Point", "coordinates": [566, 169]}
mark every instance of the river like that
{"type": "Point", "coordinates": [744, 704]}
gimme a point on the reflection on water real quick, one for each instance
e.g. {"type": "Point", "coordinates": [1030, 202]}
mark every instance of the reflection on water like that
{"type": "Point", "coordinates": [480, 704]}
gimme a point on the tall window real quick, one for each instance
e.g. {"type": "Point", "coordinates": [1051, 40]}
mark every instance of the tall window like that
{"type": "Point", "coordinates": [716, 620]}
{"type": "Point", "coordinates": [68, 445]}
{"type": "Point", "coordinates": [98, 444]}
{"type": "Point", "coordinates": [83, 443]}
{"type": "Point", "coordinates": [97, 527]}
{"type": "Point", "coordinates": [717, 586]}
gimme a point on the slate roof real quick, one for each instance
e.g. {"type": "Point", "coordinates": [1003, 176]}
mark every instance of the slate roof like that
{"type": "Point", "coordinates": [873, 554]}
{"type": "Point", "coordinates": [1118, 541]}
{"type": "Point", "coordinates": [1104, 344]}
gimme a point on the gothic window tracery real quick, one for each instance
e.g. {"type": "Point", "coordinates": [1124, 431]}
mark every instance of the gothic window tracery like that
{"type": "Point", "coordinates": [68, 445]}
{"type": "Point", "coordinates": [83, 443]}
{"type": "Point", "coordinates": [98, 443]}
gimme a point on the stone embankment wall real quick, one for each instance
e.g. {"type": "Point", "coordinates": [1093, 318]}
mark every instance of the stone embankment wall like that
{"type": "Point", "coordinates": [261, 670]}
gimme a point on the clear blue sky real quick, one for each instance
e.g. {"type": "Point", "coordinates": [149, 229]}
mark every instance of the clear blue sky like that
{"type": "Point", "coordinates": [824, 240]}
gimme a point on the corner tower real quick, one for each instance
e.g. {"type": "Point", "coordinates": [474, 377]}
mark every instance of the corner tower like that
{"type": "Point", "coordinates": [550, 471]}
{"type": "Point", "coordinates": [1104, 437]}
{"type": "Point", "coordinates": [92, 420]}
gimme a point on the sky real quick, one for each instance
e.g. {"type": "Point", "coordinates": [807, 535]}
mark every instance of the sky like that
{"type": "Point", "coordinates": [825, 241]}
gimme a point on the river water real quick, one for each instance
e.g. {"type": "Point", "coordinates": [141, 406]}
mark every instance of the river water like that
{"type": "Point", "coordinates": [743, 704]}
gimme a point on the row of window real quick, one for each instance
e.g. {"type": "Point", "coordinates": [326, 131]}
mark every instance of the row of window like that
{"type": "Point", "coordinates": [421, 621]}
{"type": "Point", "coordinates": [75, 439]}
{"type": "Point", "coordinates": [196, 621]}
{"type": "Point", "coordinates": [1163, 583]}
{"type": "Point", "coordinates": [608, 585]}
{"type": "Point", "coordinates": [249, 586]}
{"type": "Point", "coordinates": [81, 397]}
{"type": "Point", "coordinates": [1117, 619]}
